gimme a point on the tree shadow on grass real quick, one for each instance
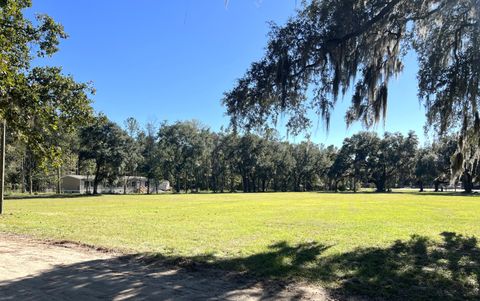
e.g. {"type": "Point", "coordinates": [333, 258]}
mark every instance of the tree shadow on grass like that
{"type": "Point", "coordinates": [416, 269]}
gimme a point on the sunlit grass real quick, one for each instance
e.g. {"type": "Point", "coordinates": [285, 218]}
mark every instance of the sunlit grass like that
{"type": "Point", "coordinates": [237, 227]}
{"type": "Point", "coordinates": [236, 224]}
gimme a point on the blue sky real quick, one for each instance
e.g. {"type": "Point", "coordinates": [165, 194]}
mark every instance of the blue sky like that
{"type": "Point", "coordinates": [173, 60]}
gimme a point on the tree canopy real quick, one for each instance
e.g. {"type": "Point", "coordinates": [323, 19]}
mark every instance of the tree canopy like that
{"type": "Point", "coordinates": [193, 159]}
{"type": "Point", "coordinates": [36, 103]}
{"type": "Point", "coordinates": [108, 146]}
{"type": "Point", "coordinates": [330, 46]}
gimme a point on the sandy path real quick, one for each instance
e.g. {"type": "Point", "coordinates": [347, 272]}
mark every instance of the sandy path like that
{"type": "Point", "coordinates": [35, 270]}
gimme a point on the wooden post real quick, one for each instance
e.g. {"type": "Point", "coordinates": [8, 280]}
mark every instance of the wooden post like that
{"type": "Point", "coordinates": [2, 166]}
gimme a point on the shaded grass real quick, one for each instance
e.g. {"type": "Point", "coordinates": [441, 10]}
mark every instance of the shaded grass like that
{"type": "Point", "coordinates": [415, 269]}
{"type": "Point", "coordinates": [355, 243]}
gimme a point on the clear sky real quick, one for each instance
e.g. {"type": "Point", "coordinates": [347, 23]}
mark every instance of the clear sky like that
{"type": "Point", "coordinates": [173, 60]}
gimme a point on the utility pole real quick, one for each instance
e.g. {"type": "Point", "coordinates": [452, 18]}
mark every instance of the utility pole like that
{"type": "Point", "coordinates": [2, 167]}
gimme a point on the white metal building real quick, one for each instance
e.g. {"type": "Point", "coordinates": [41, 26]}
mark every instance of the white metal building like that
{"type": "Point", "coordinates": [84, 184]}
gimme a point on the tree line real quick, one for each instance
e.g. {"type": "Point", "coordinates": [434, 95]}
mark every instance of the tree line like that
{"type": "Point", "coordinates": [195, 159]}
{"type": "Point", "coordinates": [46, 112]}
{"type": "Point", "coordinates": [330, 48]}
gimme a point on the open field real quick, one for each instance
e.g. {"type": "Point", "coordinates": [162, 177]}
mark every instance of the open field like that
{"type": "Point", "coordinates": [399, 245]}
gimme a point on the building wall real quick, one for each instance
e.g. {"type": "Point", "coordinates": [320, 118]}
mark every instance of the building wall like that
{"type": "Point", "coordinates": [134, 185]}
{"type": "Point", "coordinates": [71, 185]}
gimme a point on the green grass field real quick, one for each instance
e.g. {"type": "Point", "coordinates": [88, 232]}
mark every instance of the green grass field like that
{"type": "Point", "coordinates": [398, 245]}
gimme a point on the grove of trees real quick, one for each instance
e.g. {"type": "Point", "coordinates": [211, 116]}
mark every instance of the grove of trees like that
{"type": "Point", "coordinates": [194, 159]}
{"type": "Point", "coordinates": [330, 46]}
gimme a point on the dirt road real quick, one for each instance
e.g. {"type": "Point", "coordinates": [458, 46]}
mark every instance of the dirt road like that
{"type": "Point", "coordinates": [36, 270]}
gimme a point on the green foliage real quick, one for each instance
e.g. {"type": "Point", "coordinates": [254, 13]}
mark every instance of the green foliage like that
{"type": "Point", "coordinates": [41, 103]}
{"type": "Point", "coordinates": [426, 170]}
{"type": "Point", "coordinates": [21, 40]}
{"type": "Point", "coordinates": [434, 163]}
{"type": "Point", "coordinates": [150, 160]}
{"type": "Point", "coordinates": [224, 163]}
{"type": "Point", "coordinates": [195, 159]}
{"type": "Point", "coordinates": [332, 46]}
{"type": "Point", "coordinates": [365, 158]}
{"type": "Point", "coordinates": [307, 157]}
{"type": "Point", "coordinates": [393, 161]}
{"type": "Point", "coordinates": [108, 146]}
{"type": "Point", "coordinates": [183, 149]}
{"type": "Point", "coordinates": [134, 146]}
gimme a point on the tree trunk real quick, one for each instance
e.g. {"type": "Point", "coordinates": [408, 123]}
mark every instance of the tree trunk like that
{"type": "Point", "coordinates": [222, 187]}
{"type": "Point", "coordinates": [197, 184]}
{"type": "Point", "coordinates": [421, 186]}
{"type": "Point", "coordinates": [30, 180]}
{"type": "Point", "coordinates": [95, 185]}
{"type": "Point", "coordinates": [177, 183]}
{"type": "Point", "coordinates": [23, 177]}
{"type": "Point", "coordinates": [467, 182]}
{"type": "Point", "coordinates": [95, 180]}
{"type": "Point", "coordinates": [214, 183]}
{"type": "Point", "coordinates": [232, 184]}
{"type": "Point", "coordinates": [2, 166]}
{"type": "Point", "coordinates": [58, 181]}
{"type": "Point", "coordinates": [185, 184]}
{"type": "Point", "coordinates": [245, 184]}
{"type": "Point", "coordinates": [380, 184]}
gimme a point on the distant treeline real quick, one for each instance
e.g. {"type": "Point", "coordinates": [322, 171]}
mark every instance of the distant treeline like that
{"type": "Point", "coordinates": [195, 159]}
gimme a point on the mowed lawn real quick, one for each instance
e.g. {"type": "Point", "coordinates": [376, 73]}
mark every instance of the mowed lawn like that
{"type": "Point", "coordinates": [372, 244]}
